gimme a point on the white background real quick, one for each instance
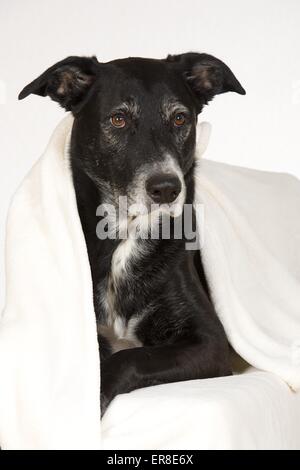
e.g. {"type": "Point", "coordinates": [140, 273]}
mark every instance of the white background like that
{"type": "Point", "coordinates": [258, 39]}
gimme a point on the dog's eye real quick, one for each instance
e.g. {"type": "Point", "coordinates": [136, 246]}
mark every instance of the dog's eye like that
{"type": "Point", "coordinates": [118, 120]}
{"type": "Point", "coordinates": [179, 119]}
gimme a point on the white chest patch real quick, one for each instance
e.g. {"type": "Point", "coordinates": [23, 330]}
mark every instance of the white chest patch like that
{"type": "Point", "coordinates": [121, 335]}
{"type": "Point", "coordinates": [126, 250]}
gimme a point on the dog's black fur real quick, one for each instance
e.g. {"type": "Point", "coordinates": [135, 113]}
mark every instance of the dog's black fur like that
{"type": "Point", "coordinates": [177, 334]}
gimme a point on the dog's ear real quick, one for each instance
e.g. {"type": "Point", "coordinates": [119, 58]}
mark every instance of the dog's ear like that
{"type": "Point", "coordinates": [206, 75]}
{"type": "Point", "coordinates": [66, 82]}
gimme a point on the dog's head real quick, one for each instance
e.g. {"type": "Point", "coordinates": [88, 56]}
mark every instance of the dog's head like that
{"type": "Point", "coordinates": [135, 119]}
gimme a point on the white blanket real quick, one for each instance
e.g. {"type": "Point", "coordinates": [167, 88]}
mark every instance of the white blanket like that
{"type": "Point", "coordinates": [255, 410]}
{"type": "Point", "coordinates": [49, 362]}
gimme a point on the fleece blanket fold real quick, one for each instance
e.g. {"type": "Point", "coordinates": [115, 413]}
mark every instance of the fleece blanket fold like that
{"type": "Point", "coordinates": [49, 361]}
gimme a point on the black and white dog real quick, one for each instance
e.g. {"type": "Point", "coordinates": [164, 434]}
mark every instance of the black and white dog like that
{"type": "Point", "coordinates": [134, 135]}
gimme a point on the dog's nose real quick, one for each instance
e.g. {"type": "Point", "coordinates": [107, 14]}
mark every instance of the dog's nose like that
{"type": "Point", "coordinates": [163, 188]}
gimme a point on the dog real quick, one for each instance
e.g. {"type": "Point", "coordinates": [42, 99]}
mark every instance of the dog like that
{"type": "Point", "coordinates": [133, 136]}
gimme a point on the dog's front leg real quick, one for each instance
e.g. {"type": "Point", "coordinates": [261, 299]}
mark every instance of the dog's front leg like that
{"type": "Point", "coordinates": [134, 368]}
